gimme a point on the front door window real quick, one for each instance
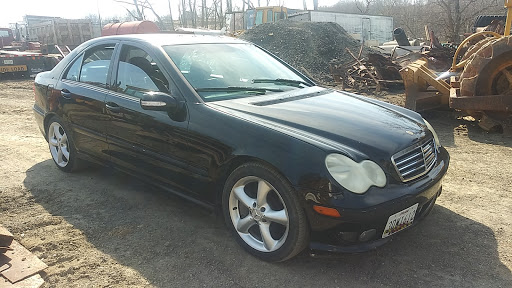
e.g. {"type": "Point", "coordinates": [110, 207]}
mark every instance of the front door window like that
{"type": "Point", "coordinates": [138, 73]}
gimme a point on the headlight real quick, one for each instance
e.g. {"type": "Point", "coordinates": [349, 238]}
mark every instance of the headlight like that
{"type": "Point", "coordinates": [355, 177]}
{"type": "Point", "coordinates": [436, 139]}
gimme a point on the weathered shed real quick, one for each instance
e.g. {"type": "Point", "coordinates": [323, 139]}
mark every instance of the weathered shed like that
{"type": "Point", "coordinates": [374, 30]}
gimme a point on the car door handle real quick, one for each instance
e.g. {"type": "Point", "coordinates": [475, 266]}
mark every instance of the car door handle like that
{"type": "Point", "coordinates": [113, 107]}
{"type": "Point", "coordinates": [65, 94]}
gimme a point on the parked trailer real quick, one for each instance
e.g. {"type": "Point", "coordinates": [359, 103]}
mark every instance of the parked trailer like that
{"type": "Point", "coordinates": [374, 30]}
{"type": "Point", "coordinates": [61, 32]}
{"type": "Point", "coordinates": [25, 64]}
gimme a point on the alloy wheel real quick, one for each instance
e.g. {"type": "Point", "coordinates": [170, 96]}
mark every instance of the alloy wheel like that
{"type": "Point", "coordinates": [59, 145]}
{"type": "Point", "coordinates": [259, 214]}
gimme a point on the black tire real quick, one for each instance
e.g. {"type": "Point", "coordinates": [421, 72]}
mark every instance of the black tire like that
{"type": "Point", "coordinates": [485, 67]}
{"type": "Point", "coordinates": [292, 237]}
{"type": "Point", "coordinates": [68, 160]}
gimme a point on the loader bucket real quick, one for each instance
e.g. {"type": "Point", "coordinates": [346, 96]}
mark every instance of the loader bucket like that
{"type": "Point", "coordinates": [422, 90]}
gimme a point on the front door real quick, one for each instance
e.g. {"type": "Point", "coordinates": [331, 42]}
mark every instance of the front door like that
{"type": "Point", "coordinates": [147, 142]}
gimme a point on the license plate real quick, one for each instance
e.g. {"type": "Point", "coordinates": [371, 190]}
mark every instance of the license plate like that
{"type": "Point", "coordinates": [15, 68]}
{"type": "Point", "coordinates": [8, 62]}
{"type": "Point", "coordinates": [399, 221]}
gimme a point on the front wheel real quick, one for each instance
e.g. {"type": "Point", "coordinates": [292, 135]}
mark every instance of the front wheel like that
{"type": "Point", "coordinates": [262, 210]}
{"type": "Point", "coordinates": [61, 145]}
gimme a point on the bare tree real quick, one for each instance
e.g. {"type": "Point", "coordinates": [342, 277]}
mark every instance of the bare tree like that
{"type": "Point", "coordinates": [203, 13]}
{"type": "Point", "coordinates": [458, 12]}
{"type": "Point", "coordinates": [183, 13]}
{"type": "Point", "coordinates": [249, 4]}
{"type": "Point", "coordinates": [148, 5]}
{"type": "Point", "coordinates": [170, 14]}
{"type": "Point", "coordinates": [138, 13]}
{"type": "Point", "coordinates": [193, 12]}
{"type": "Point", "coordinates": [364, 6]}
{"type": "Point", "coordinates": [218, 13]}
{"type": "Point", "coordinates": [229, 6]}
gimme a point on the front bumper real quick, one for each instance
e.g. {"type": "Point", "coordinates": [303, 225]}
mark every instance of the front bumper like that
{"type": "Point", "coordinates": [346, 237]}
{"type": "Point", "coordinates": [361, 228]}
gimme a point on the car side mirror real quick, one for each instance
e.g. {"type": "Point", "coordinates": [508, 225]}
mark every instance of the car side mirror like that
{"type": "Point", "coordinates": [159, 101]}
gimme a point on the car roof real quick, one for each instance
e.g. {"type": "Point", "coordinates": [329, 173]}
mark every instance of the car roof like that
{"type": "Point", "coordinates": [162, 39]}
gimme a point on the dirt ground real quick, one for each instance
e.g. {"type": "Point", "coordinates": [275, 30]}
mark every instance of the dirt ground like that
{"type": "Point", "coordinates": [99, 228]}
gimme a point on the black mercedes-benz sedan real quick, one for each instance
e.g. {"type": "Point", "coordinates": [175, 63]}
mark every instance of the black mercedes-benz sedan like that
{"type": "Point", "coordinates": [226, 124]}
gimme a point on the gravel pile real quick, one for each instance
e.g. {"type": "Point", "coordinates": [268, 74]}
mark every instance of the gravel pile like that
{"type": "Point", "coordinates": [307, 46]}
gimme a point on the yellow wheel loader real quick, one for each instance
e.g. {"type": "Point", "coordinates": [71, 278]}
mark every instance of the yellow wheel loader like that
{"type": "Point", "coordinates": [483, 85]}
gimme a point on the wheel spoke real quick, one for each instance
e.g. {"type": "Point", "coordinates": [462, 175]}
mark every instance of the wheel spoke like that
{"type": "Point", "coordinates": [56, 132]}
{"type": "Point", "coordinates": [242, 197]}
{"type": "Point", "coordinates": [59, 156]}
{"type": "Point", "coordinates": [53, 142]}
{"type": "Point", "coordinates": [64, 139]}
{"type": "Point", "coordinates": [65, 152]}
{"type": "Point", "coordinates": [244, 224]}
{"type": "Point", "coordinates": [277, 216]}
{"type": "Point", "coordinates": [268, 241]}
{"type": "Point", "coordinates": [263, 189]}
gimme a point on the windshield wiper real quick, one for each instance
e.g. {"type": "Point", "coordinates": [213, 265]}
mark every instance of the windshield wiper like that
{"type": "Point", "coordinates": [288, 82]}
{"type": "Point", "coordinates": [238, 89]}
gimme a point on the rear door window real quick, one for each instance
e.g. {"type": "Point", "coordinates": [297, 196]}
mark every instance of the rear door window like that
{"type": "Point", "coordinates": [73, 72]}
{"type": "Point", "coordinates": [95, 65]}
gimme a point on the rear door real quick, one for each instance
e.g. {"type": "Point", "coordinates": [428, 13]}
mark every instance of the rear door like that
{"type": "Point", "coordinates": [83, 89]}
{"type": "Point", "coordinates": [151, 143]}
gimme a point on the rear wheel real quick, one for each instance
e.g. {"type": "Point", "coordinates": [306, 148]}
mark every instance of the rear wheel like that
{"type": "Point", "coordinates": [262, 210]}
{"type": "Point", "coordinates": [61, 145]}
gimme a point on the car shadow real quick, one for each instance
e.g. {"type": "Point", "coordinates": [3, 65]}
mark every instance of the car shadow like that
{"type": "Point", "coordinates": [448, 124]}
{"type": "Point", "coordinates": [172, 242]}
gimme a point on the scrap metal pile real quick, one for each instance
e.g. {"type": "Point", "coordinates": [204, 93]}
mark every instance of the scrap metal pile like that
{"type": "Point", "coordinates": [379, 71]}
{"type": "Point", "coordinates": [375, 72]}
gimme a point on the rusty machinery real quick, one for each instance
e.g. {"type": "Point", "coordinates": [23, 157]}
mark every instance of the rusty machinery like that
{"type": "Point", "coordinates": [483, 86]}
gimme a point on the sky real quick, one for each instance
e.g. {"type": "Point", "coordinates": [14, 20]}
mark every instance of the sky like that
{"type": "Point", "coordinates": [14, 10]}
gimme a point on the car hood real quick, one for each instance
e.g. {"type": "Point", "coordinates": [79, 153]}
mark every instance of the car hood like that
{"type": "Point", "coordinates": [368, 126]}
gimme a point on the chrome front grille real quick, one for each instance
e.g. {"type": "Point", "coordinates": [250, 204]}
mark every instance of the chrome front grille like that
{"type": "Point", "coordinates": [415, 161]}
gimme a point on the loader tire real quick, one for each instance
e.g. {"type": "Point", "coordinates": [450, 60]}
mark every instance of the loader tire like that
{"type": "Point", "coordinates": [473, 48]}
{"type": "Point", "coordinates": [489, 70]}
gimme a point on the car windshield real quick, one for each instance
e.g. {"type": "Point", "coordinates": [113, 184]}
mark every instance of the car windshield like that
{"type": "Point", "coordinates": [226, 71]}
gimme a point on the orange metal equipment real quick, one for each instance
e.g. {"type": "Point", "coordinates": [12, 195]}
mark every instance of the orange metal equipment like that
{"type": "Point", "coordinates": [134, 27]}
